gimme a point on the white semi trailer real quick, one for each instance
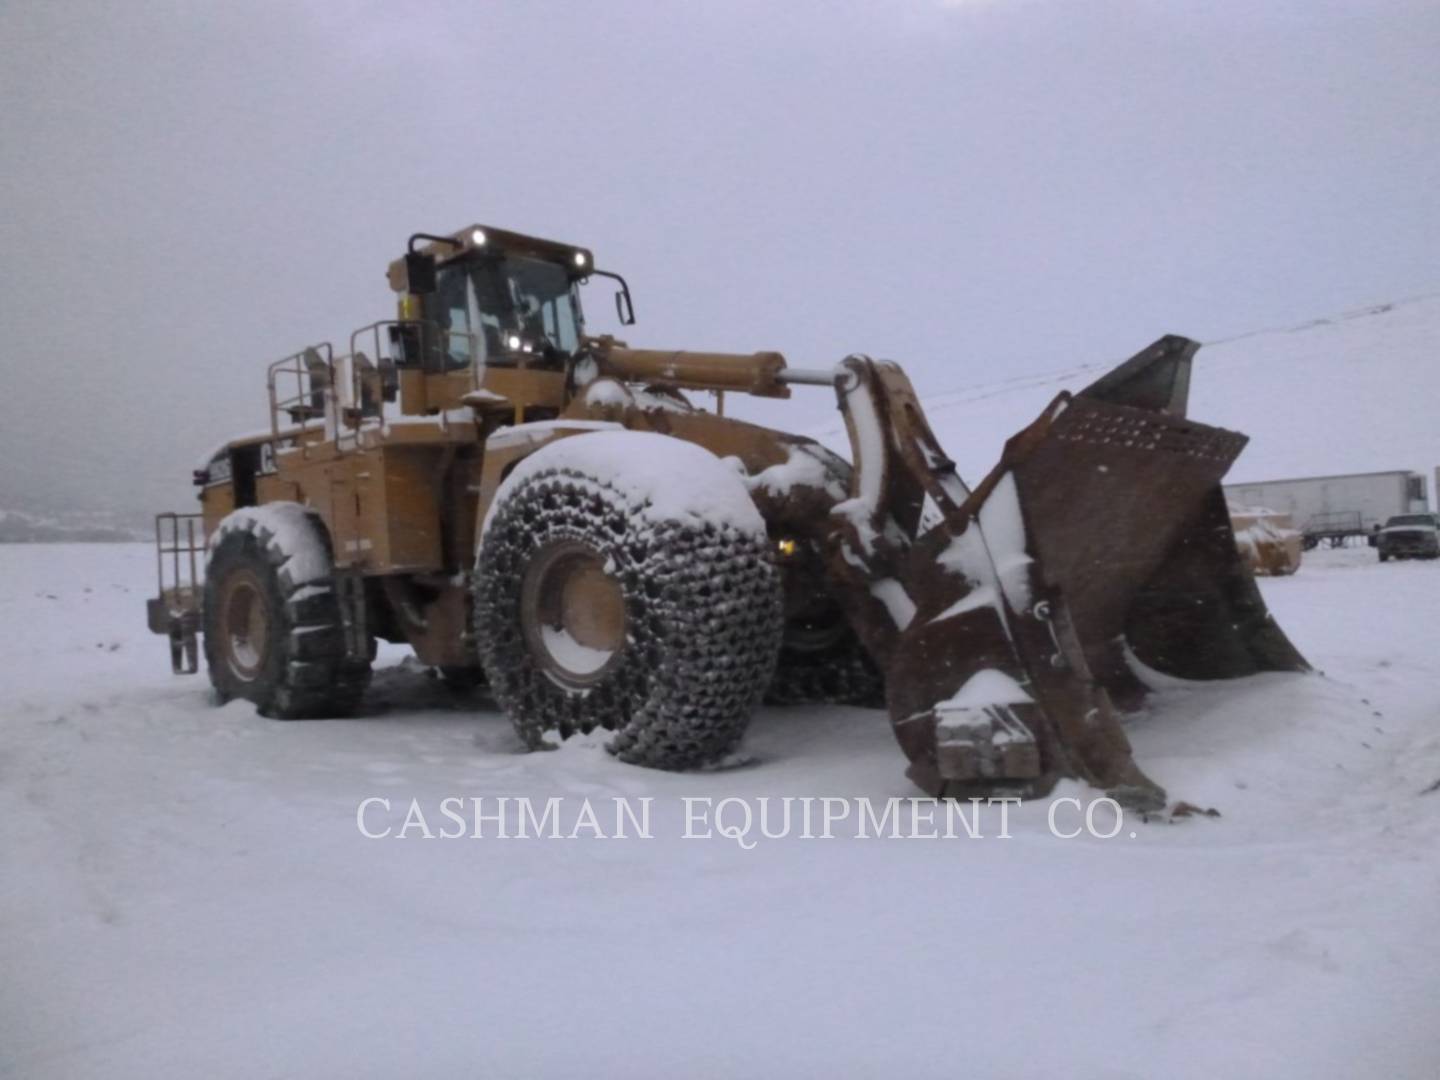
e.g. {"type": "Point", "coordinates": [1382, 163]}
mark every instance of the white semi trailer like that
{"type": "Point", "coordinates": [1336, 507]}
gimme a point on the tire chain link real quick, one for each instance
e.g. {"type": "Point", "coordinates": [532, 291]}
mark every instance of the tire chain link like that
{"type": "Point", "coordinates": [703, 623]}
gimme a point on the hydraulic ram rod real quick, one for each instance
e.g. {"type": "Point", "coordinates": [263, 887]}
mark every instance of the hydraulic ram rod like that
{"type": "Point", "coordinates": [763, 374]}
{"type": "Point", "coordinates": [806, 376]}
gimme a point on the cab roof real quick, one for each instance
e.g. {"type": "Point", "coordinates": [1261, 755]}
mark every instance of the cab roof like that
{"type": "Point", "coordinates": [486, 238]}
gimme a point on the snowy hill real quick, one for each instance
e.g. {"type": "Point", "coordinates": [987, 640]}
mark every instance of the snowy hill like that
{"type": "Point", "coordinates": [30, 527]}
{"type": "Point", "coordinates": [1356, 392]}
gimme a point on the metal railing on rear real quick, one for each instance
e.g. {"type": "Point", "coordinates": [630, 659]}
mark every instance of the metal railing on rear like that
{"type": "Point", "coordinates": [179, 571]}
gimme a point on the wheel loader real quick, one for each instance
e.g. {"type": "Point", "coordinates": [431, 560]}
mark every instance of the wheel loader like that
{"type": "Point", "coordinates": [576, 523]}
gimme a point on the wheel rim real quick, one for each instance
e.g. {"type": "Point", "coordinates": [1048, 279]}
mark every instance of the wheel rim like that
{"type": "Point", "coordinates": [572, 614]}
{"type": "Point", "coordinates": [245, 626]}
{"type": "Point", "coordinates": [816, 632]}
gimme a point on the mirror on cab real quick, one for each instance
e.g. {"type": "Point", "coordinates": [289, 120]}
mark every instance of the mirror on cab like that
{"type": "Point", "coordinates": [419, 273]}
{"type": "Point", "coordinates": [624, 306]}
{"type": "Point", "coordinates": [624, 309]}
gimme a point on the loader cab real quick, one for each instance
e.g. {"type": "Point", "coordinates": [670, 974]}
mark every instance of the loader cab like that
{"type": "Point", "coordinates": [512, 310]}
{"type": "Point", "coordinates": [495, 298]}
{"type": "Point", "coordinates": [484, 309]}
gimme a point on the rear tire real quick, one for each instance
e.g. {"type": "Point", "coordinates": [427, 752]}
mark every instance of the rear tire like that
{"type": "Point", "coordinates": [594, 609]}
{"type": "Point", "coordinates": [273, 634]}
{"type": "Point", "coordinates": [839, 674]}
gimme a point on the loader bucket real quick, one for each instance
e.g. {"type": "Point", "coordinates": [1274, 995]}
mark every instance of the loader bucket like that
{"type": "Point", "coordinates": [1097, 552]}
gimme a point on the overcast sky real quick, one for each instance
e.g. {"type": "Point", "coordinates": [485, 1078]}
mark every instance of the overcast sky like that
{"type": "Point", "coordinates": [975, 189]}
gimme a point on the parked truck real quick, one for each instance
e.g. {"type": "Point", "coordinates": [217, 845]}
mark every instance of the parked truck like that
{"type": "Point", "coordinates": [1337, 509]}
{"type": "Point", "coordinates": [1410, 536]}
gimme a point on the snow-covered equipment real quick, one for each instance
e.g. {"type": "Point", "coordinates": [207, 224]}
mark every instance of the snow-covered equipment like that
{"type": "Point", "coordinates": [1268, 541]}
{"type": "Point", "coordinates": [550, 512]}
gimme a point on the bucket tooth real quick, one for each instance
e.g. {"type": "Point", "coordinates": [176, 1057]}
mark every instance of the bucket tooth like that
{"type": "Point", "coordinates": [984, 742]}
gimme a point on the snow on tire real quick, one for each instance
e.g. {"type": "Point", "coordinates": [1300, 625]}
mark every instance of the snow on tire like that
{"type": "Point", "coordinates": [272, 625]}
{"type": "Point", "coordinates": [624, 581]}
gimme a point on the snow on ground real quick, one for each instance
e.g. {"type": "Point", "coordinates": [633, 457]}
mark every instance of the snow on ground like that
{"type": "Point", "coordinates": [184, 892]}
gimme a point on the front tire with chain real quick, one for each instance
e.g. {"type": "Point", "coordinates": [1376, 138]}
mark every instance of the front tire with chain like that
{"type": "Point", "coordinates": [273, 633]}
{"type": "Point", "coordinates": [608, 599]}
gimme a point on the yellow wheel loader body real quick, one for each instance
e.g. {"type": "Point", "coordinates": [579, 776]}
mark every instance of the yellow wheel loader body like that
{"type": "Point", "coordinates": [1011, 622]}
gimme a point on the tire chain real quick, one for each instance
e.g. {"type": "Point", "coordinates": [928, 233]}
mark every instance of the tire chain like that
{"type": "Point", "coordinates": [703, 623]}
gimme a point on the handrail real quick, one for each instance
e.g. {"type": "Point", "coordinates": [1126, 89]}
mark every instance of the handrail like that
{"type": "Point", "coordinates": [176, 609]}
{"type": "Point", "coordinates": [311, 402]}
{"type": "Point", "coordinates": [344, 396]}
{"type": "Point", "coordinates": [433, 341]}
{"type": "Point", "coordinates": [174, 544]}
